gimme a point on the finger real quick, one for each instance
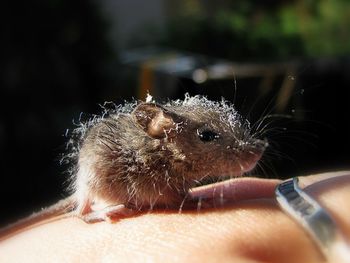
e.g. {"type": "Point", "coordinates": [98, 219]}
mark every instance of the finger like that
{"type": "Point", "coordinates": [237, 189]}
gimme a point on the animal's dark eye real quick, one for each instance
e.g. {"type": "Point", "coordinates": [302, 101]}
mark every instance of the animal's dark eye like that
{"type": "Point", "coordinates": [207, 135]}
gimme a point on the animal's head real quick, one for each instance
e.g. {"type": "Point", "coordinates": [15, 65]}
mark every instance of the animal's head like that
{"type": "Point", "coordinates": [207, 139]}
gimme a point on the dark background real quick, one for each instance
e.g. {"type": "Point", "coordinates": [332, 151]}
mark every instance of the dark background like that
{"type": "Point", "coordinates": [60, 58]}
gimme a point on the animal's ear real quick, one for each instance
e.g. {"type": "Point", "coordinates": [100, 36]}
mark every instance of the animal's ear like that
{"type": "Point", "coordinates": [153, 119]}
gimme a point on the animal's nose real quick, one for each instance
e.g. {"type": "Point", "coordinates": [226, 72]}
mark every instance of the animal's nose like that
{"type": "Point", "coordinates": [261, 144]}
{"type": "Point", "coordinates": [256, 146]}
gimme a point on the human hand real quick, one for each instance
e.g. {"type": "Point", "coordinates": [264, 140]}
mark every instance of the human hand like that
{"type": "Point", "coordinates": [240, 231]}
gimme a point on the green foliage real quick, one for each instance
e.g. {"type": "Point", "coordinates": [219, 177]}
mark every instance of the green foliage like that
{"type": "Point", "coordinates": [250, 30]}
{"type": "Point", "coordinates": [324, 27]}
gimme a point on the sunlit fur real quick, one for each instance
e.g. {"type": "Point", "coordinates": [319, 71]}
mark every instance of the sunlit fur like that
{"type": "Point", "coordinates": [119, 163]}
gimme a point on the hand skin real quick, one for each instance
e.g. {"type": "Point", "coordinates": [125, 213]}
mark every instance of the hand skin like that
{"type": "Point", "coordinates": [245, 231]}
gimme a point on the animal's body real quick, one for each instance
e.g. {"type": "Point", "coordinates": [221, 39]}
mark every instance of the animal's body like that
{"type": "Point", "coordinates": [143, 155]}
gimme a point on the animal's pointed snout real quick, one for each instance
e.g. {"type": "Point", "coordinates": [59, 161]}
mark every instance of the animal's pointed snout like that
{"type": "Point", "coordinates": [257, 146]}
{"type": "Point", "coordinates": [261, 144]}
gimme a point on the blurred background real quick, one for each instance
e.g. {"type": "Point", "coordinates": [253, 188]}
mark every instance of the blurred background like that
{"type": "Point", "coordinates": [61, 58]}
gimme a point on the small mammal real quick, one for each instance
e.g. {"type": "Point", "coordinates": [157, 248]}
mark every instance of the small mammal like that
{"type": "Point", "coordinates": [143, 154]}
